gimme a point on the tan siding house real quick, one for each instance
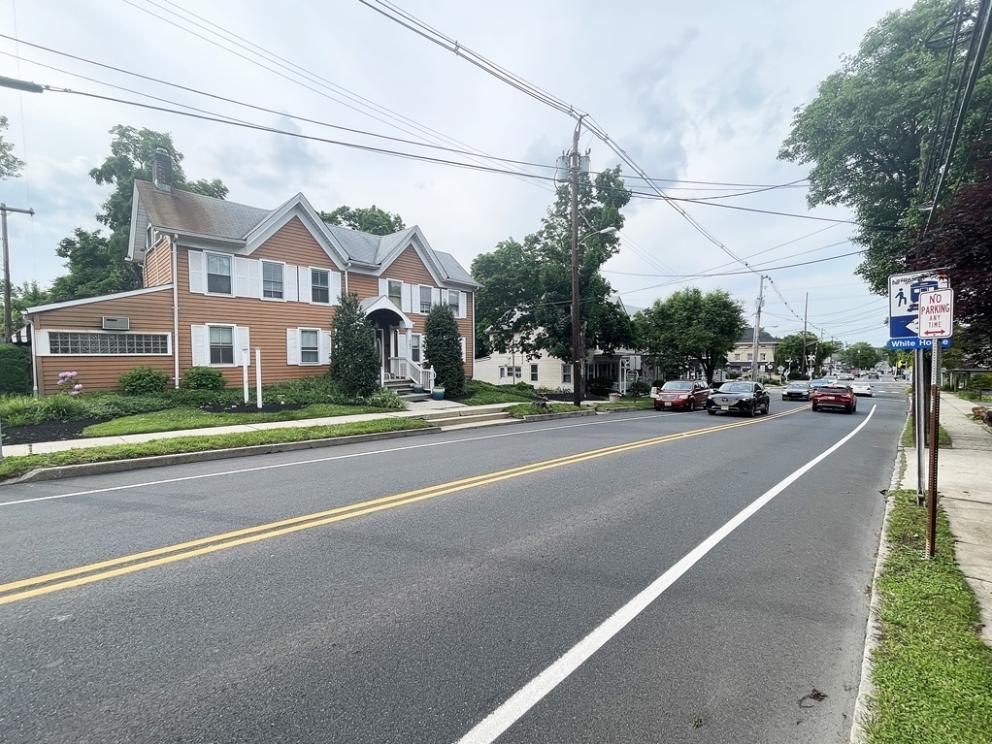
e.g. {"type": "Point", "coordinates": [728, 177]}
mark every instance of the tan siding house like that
{"type": "Point", "coordinates": [247, 279]}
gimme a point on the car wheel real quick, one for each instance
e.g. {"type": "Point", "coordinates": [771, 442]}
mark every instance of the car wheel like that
{"type": "Point", "coordinates": [750, 411]}
{"type": "Point", "coordinates": [711, 412]}
{"type": "Point", "coordinates": [692, 405]}
{"type": "Point", "coordinates": [814, 406]}
{"type": "Point", "coordinates": [849, 410]}
{"type": "Point", "coordinates": [767, 406]}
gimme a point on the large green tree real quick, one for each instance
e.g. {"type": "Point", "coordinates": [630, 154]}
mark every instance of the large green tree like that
{"type": "Point", "coordinates": [860, 355]}
{"type": "Point", "coordinates": [866, 132]}
{"type": "Point", "coordinates": [96, 263]}
{"type": "Point", "coordinates": [10, 164]}
{"type": "Point", "coordinates": [792, 348]}
{"type": "Point", "coordinates": [366, 219]}
{"type": "Point", "coordinates": [443, 350]}
{"type": "Point", "coordinates": [690, 326]}
{"type": "Point", "coordinates": [354, 360]}
{"type": "Point", "coordinates": [526, 287]}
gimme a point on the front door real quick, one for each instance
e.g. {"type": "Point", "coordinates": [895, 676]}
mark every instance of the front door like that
{"type": "Point", "coordinates": [380, 348]}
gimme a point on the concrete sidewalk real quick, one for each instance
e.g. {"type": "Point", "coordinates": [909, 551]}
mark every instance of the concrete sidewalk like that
{"type": "Point", "coordinates": [965, 483]}
{"type": "Point", "coordinates": [418, 409]}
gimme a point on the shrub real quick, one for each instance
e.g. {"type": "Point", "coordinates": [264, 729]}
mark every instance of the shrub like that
{"type": "Point", "coordinates": [203, 378]}
{"type": "Point", "coordinates": [981, 381]}
{"type": "Point", "coordinates": [63, 408]}
{"type": "Point", "coordinates": [20, 410]}
{"type": "Point", "coordinates": [112, 405]}
{"type": "Point", "coordinates": [600, 385]}
{"type": "Point", "coordinates": [143, 381]}
{"type": "Point", "coordinates": [444, 351]}
{"type": "Point", "coordinates": [657, 383]}
{"type": "Point", "coordinates": [382, 398]}
{"type": "Point", "coordinates": [15, 369]}
{"type": "Point", "coordinates": [306, 390]}
{"type": "Point", "coordinates": [354, 360]}
{"type": "Point", "coordinates": [639, 387]}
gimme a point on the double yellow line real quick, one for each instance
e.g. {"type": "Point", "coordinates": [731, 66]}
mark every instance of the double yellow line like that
{"type": "Point", "coordinates": [90, 573]}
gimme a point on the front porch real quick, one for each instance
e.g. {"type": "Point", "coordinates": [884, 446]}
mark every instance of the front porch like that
{"type": "Point", "coordinates": [400, 350]}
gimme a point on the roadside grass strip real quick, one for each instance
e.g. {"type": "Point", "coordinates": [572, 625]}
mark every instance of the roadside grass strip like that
{"type": "Point", "coordinates": [22, 589]}
{"type": "Point", "coordinates": [931, 672]}
{"type": "Point", "coordinates": [909, 435]}
{"type": "Point", "coordinates": [11, 467]}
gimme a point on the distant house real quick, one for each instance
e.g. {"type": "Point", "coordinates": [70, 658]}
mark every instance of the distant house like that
{"type": "Point", "coordinates": [222, 278]}
{"type": "Point", "coordinates": [740, 357]}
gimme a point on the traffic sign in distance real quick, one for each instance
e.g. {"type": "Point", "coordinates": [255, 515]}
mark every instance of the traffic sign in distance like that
{"type": "Point", "coordinates": [936, 314]}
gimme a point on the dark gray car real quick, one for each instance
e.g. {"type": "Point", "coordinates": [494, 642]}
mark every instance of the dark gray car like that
{"type": "Point", "coordinates": [749, 398]}
{"type": "Point", "coordinates": [796, 391]}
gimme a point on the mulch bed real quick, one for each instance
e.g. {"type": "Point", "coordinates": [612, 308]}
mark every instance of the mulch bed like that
{"type": "Point", "coordinates": [48, 431]}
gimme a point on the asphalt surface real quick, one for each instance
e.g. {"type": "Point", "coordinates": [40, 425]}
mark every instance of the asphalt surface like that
{"type": "Point", "coordinates": [413, 623]}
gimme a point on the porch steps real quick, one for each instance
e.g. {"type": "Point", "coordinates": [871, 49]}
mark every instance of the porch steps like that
{"type": "Point", "coordinates": [404, 389]}
{"type": "Point", "coordinates": [464, 418]}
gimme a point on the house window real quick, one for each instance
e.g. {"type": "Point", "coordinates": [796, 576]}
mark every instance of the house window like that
{"type": "Point", "coordinates": [309, 353]}
{"type": "Point", "coordinates": [762, 356]}
{"type": "Point", "coordinates": [221, 344]}
{"type": "Point", "coordinates": [66, 342]}
{"type": "Point", "coordinates": [513, 372]}
{"type": "Point", "coordinates": [415, 348]}
{"type": "Point", "coordinates": [453, 301]}
{"type": "Point", "coordinates": [533, 373]}
{"type": "Point", "coordinates": [272, 280]}
{"type": "Point", "coordinates": [218, 274]}
{"type": "Point", "coordinates": [425, 298]}
{"type": "Point", "coordinates": [395, 290]}
{"type": "Point", "coordinates": [320, 286]}
{"type": "Point", "coordinates": [566, 373]}
{"type": "Point", "coordinates": [749, 357]}
{"type": "Point", "coordinates": [737, 357]}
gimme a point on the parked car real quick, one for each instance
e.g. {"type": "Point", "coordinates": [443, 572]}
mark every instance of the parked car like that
{"type": "Point", "coordinates": [797, 391]}
{"type": "Point", "coordinates": [836, 398]}
{"type": "Point", "coordinates": [684, 395]}
{"type": "Point", "coordinates": [845, 377]}
{"type": "Point", "coordinates": [862, 388]}
{"type": "Point", "coordinates": [749, 398]}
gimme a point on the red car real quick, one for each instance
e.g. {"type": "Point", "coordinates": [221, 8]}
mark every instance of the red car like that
{"type": "Point", "coordinates": [834, 397]}
{"type": "Point", "coordinates": [680, 395]}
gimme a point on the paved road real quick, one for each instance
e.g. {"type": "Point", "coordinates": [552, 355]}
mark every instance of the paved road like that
{"type": "Point", "coordinates": [412, 619]}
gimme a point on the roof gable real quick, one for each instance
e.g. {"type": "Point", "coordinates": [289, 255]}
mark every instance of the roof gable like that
{"type": "Point", "coordinates": [300, 208]}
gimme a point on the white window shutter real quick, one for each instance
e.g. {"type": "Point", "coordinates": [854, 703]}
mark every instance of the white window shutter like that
{"type": "Point", "coordinates": [292, 347]}
{"type": "Point", "coordinates": [435, 296]}
{"type": "Point", "coordinates": [462, 303]}
{"type": "Point", "coordinates": [334, 283]}
{"type": "Point", "coordinates": [406, 301]}
{"type": "Point", "coordinates": [383, 286]}
{"type": "Point", "coordinates": [461, 343]}
{"type": "Point", "coordinates": [39, 342]}
{"type": "Point", "coordinates": [254, 278]}
{"type": "Point", "coordinates": [244, 286]}
{"type": "Point", "coordinates": [324, 347]}
{"type": "Point", "coordinates": [303, 272]}
{"type": "Point", "coordinates": [196, 279]}
{"type": "Point", "coordinates": [290, 282]}
{"type": "Point", "coordinates": [201, 345]}
{"type": "Point", "coordinates": [244, 344]}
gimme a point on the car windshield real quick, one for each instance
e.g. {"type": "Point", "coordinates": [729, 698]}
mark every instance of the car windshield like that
{"type": "Point", "coordinates": [735, 387]}
{"type": "Point", "coordinates": [676, 385]}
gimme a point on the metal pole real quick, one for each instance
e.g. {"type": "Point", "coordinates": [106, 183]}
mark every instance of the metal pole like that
{"type": "Point", "coordinates": [757, 329]}
{"type": "Point", "coordinates": [258, 378]}
{"type": "Point", "coordinates": [918, 418]}
{"type": "Point", "coordinates": [244, 373]}
{"type": "Point", "coordinates": [934, 447]}
{"type": "Point", "coordinates": [805, 316]}
{"type": "Point", "coordinates": [578, 354]}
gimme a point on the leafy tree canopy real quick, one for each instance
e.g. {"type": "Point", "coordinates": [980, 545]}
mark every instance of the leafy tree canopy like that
{"type": "Point", "coordinates": [690, 326]}
{"type": "Point", "coordinates": [860, 355]}
{"type": "Point", "coordinates": [366, 219]}
{"type": "Point", "coordinates": [10, 164]}
{"type": "Point", "coordinates": [866, 132]}
{"type": "Point", "coordinates": [792, 348]}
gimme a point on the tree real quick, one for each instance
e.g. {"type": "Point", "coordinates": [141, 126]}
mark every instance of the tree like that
{"type": "Point", "coordinates": [861, 355]}
{"type": "Point", "coordinates": [354, 359]}
{"type": "Point", "coordinates": [10, 164]}
{"type": "Point", "coordinates": [97, 264]}
{"type": "Point", "coordinates": [444, 351]}
{"type": "Point", "coordinates": [28, 294]}
{"type": "Point", "coordinates": [690, 326]}
{"type": "Point", "coordinates": [866, 130]}
{"type": "Point", "coordinates": [526, 287]}
{"type": "Point", "coordinates": [366, 219]}
{"type": "Point", "coordinates": [791, 347]}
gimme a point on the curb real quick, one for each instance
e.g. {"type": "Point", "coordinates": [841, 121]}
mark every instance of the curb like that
{"type": "Point", "coordinates": [873, 628]}
{"type": "Point", "coordinates": [552, 416]}
{"type": "Point", "coordinates": [182, 458]}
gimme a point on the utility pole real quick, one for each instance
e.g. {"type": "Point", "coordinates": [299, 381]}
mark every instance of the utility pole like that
{"type": "Point", "coordinates": [805, 316]}
{"type": "Point", "coordinates": [578, 353]}
{"type": "Point", "coordinates": [8, 323]}
{"type": "Point", "coordinates": [757, 329]}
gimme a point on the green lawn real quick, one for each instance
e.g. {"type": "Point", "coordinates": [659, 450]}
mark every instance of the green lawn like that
{"type": "Point", "coordinates": [479, 393]}
{"type": "Point", "coordinates": [627, 404]}
{"type": "Point", "coordinates": [14, 466]}
{"type": "Point", "coordinates": [909, 438]}
{"type": "Point", "coordinates": [529, 409]}
{"type": "Point", "coordinates": [187, 417]}
{"type": "Point", "coordinates": [931, 671]}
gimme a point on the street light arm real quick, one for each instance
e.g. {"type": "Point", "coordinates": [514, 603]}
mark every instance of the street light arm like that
{"type": "Point", "coordinates": [25, 85]}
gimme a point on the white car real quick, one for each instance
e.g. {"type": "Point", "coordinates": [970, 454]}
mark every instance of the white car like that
{"type": "Point", "coordinates": [862, 388]}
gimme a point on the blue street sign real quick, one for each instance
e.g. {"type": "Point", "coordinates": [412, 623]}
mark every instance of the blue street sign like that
{"type": "Point", "coordinates": [904, 305]}
{"type": "Point", "coordinates": [905, 344]}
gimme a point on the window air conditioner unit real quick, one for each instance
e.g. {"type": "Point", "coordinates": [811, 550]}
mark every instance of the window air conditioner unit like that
{"type": "Point", "coordinates": [116, 323]}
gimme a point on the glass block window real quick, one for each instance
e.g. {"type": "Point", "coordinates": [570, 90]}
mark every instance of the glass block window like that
{"type": "Point", "coordinates": [86, 342]}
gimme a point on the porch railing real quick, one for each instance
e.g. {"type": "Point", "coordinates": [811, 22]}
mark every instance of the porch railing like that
{"type": "Point", "coordinates": [409, 369]}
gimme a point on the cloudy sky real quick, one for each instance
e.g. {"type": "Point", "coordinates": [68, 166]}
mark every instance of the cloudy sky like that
{"type": "Point", "coordinates": [693, 91]}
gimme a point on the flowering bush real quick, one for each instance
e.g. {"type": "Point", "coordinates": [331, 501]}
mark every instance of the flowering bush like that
{"type": "Point", "coordinates": [68, 383]}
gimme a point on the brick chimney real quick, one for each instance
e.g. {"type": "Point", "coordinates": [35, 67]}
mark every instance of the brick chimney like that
{"type": "Point", "coordinates": [162, 169]}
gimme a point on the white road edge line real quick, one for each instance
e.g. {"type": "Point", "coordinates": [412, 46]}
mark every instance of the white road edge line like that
{"type": "Point", "coordinates": [493, 725]}
{"type": "Point", "coordinates": [296, 463]}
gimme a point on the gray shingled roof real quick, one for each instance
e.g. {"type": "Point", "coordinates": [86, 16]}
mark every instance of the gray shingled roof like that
{"type": "Point", "coordinates": [187, 212]}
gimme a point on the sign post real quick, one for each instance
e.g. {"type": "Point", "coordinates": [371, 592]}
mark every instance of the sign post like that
{"type": "Point", "coordinates": [936, 321]}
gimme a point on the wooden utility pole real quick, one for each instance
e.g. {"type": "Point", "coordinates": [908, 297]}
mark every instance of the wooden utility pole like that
{"type": "Point", "coordinates": [757, 329]}
{"type": "Point", "coordinates": [805, 316]}
{"type": "Point", "coordinates": [8, 323]}
{"type": "Point", "coordinates": [578, 353]}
